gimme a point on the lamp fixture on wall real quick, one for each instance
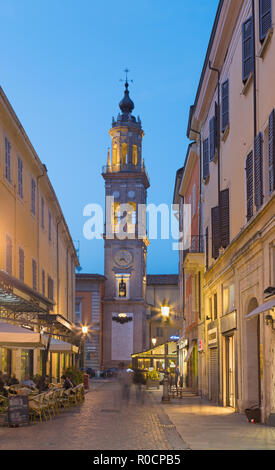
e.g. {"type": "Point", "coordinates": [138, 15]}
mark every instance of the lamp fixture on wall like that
{"type": "Point", "coordinates": [121, 318]}
{"type": "Point", "coordinates": [269, 321]}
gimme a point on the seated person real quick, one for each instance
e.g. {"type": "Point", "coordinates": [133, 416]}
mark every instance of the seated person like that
{"type": "Point", "coordinates": [12, 380]}
{"type": "Point", "coordinates": [67, 383]}
{"type": "Point", "coordinates": [28, 382]}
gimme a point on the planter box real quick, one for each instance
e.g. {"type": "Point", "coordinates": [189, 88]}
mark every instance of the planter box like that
{"type": "Point", "coordinates": [150, 383]}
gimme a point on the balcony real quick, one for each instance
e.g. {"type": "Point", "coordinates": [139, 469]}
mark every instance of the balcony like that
{"type": "Point", "coordinates": [193, 260]}
{"type": "Point", "coordinates": [125, 168]}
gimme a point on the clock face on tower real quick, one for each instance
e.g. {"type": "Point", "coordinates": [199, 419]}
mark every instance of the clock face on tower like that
{"type": "Point", "coordinates": [123, 257]}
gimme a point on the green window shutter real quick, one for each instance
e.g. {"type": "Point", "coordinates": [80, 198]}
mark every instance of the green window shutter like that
{"type": "Point", "coordinates": [249, 186]}
{"type": "Point", "coordinates": [265, 17]}
{"type": "Point", "coordinates": [258, 171]}
{"type": "Point", "coordinates": [225, 105]}
{"type": "Point", "coordinates": [248, 52]}
{"type": "Point", "coordinates": [271, 151]}
{"type": "Point", "coordinates": [215, 218]}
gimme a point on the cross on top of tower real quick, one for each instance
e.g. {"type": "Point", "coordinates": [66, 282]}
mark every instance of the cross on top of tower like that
{"type": "Point", "coordinates": [126, 78]}
{"type": "Point", "coordinates": [126, 105]}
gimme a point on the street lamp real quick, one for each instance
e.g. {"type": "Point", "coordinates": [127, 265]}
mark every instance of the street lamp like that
{"type": "Point", "coordinates": [84, 331]}
{"type": "Point", "coordinates": [165, 311]}
{"type": "Point", "coordinates": [154, 340]}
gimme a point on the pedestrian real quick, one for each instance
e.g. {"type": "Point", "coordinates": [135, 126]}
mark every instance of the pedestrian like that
{"type": "Point", "coordinates": [67, 383]}
{"type": "Point", "coordinates": [125, 380]}
{"type": "Point", "coordinates": [177, 375]}
{"type": "Point", "coordinates": [139, 381]}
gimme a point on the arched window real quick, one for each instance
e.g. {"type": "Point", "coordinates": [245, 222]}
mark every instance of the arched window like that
{"type": "Point", "coordinates": [135, 155]}
{"type": "Point", "coordinates": [114, 156]}
{"type": "Point", "coordinates": [123, 154]}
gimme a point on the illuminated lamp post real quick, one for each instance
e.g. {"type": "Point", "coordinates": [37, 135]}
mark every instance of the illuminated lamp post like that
{"type": "Point", "coordinates": [84, 332]}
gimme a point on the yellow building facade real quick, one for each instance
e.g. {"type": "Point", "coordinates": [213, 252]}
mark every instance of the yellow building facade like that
{"type": "Point", "coordinates": [232, 122]}
{"type": "Point", "coordinates": [37, 254]}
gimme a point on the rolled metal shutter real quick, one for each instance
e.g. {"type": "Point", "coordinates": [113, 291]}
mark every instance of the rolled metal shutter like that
{"type": "Point", "coordinates": [213, 374]}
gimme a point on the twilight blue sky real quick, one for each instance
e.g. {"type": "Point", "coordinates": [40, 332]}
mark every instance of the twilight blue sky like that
{"type": "Point", "coordinates": [61, 62]}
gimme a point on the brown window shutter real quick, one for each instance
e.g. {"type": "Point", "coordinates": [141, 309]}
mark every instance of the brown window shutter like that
{"type": "Point", "coordinates": [215, 216]}
{"type": "Point", "coordinates": [224, 218]}
{"type": "Point", "coordinates": [205, 159]}
{"type": "Point", "coordinates": [265, 17]}
{"type": "Point", "coordinates": [248, 52]}
{"type": "Point", "coordinates": [249, 185]}
{"type": "Point", "coordinates": [206, 249]}
{"type": "Point", "coordinates": [225, 105]}
{"type": "Point", "coordinates": [271, 151]}
{"type": "Point", "coordinates": [258, 171]}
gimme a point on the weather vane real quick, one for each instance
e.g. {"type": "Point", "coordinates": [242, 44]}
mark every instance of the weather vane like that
{"type": "Point", "coordinates": [126, 73]}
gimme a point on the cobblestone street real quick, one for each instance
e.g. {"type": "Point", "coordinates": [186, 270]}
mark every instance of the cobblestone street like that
{"type": "Point", "coordinates": [100, 423]}
{"type": "Point", "coordinates": [104, 423]}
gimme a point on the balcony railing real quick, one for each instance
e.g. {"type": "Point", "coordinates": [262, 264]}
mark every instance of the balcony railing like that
{"type": "Point", "coordinates": [127, 168]}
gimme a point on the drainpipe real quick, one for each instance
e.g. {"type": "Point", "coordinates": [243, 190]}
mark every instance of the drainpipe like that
{"type": "Point", "coordinates": [218, 130]}
{"type": "Point", "coordinates": [255, 135]}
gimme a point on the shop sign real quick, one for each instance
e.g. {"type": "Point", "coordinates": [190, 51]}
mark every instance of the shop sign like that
{"type": "Point", "coordinates": [212, 336]}
{"type": "Point", "coordinates": [200, 345]}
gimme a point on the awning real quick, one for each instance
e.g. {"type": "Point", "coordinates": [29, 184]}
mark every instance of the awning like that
{"type": "Point", "coordinates": [57, 345]}
{"type": "Point", "coordinates": [189, 352]}
{"type": "Point", "coordinates": [262, 308]}
{"type": "Point", "coordinates": [13, 336]}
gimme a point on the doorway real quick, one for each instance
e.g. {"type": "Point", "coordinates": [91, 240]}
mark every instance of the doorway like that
{"type": "Point", "coordinates": [253, 356]}
{"type": "Point", "coordinates": [230, 370]}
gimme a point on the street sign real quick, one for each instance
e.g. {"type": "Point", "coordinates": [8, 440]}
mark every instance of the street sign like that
{"type": "Point", "coordinates": [18, 411]}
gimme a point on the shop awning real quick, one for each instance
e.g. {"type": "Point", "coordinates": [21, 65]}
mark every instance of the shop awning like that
{"type": "Point", "coordinates": [191, 347]}
{"type": "Point", "coordinates": [57, 345]}
{"type": "Point", "coordinates": [158, 352]}
{"type": "Point", "coordinates": [262, 308]}
{"type": "Point", "coordinates": [13, 336]}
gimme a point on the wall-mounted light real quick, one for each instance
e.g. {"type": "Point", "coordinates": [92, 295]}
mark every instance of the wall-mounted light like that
{"type": "Point", "coordinates": [165, 311]}
{"type": "Point", "coordinates": [269, 321]}
{"type": "Point", "coordinates": [154, 340]}
{"type": "Point", "coordinates": [84, 330]}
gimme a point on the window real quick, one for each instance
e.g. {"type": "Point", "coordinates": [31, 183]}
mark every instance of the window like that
{"type": "Point", "coordinates": [210, 308]}
{"type": "Point", "coordinates": [43, 282]}
{"type": "Point", "coordinates": [114, 155]}
{"type": "Point", "coordinates": [228, 298]}
{"type": "Point", "coordinates": [206, 249]}
{"type": "Point", "coordinates": [224, 218]}
{"type": "Point", "coordinates": [159, 332]}
{"type": "Point", "coordinates": [33, 189]}
{"type": "Point", "coordinates": [7, 160]}
{"type": "Point", "coordinates": [20, 176]}
{"type": "Point", "coordinates": [78, 311]}
{"type": "Point", "coordinates": [205, 159]}
{"type": "Point", "coordinates": [8, 255]}
{"type": "Point", "coordinates": [50, 288]}
{"type": "Point", "coordinates": [248, 50]}
{"type": "Point", "coordinates": [225, 105]}
{"type": "Point", "coordinates": [215, 306]}
{"type": "Point", "coordinates": [21, 264]}
{"type": "Point", "coordinates": [122, 286]}
{"type": "Point", "coordinates": [249, 186]}
{"type": "Point", "coordinates": [265, 17]}
{"type": "Point", "coordinates": [42, 212]}
{"type": "Point", "coordinates": [258, 171]}
{"type": "Point", "coordinates": [194, 200]}
{"type": "Point", "coordinates": [135, 155]}
{"type": "Point", "coordinates": [50, 226]}
{"type": "Point", "coordinates": [213, 134]}
{"type": "Point", "coordinates": [271, 152]}
{"type": "Point", "coordinates": [215, 216]}
{"type": "Point", "coordinates": [124, 154]}
{"type": "Point", "coordinates": [34, 274]}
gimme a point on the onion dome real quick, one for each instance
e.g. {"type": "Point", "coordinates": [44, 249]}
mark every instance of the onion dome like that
{"type": "Point", "coordinates": [126, 105]}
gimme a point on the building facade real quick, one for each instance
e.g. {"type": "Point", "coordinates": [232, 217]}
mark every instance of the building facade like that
{"type": "Point", "coordinates": [232, 123]}
{"type": "Point", "coordinates": [162, 290]}
{"type": "Point", "coordinates": [126, 184]}
{"type": "Point", "coordinates": [88, 312]}
{"type": "Point", "coordinates": [37, 258]}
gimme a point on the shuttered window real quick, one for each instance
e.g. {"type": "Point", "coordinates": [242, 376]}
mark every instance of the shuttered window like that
{"type": "Point", "coordinates": [205, 159]}
{"type": "Point", "coordinates": [8, 255]}
{"type": "Point", "coordinates": [21, 264]}
{"type": "Point", "coordinates": [20, 176]}
{"type": "Point", "coordinates": [215, 217]}
{"type": "Point", "coordinates": [258, 171]}
{"type": "Point", "coordinates": [213, 135]}
{"type": "Point", "coordinates": [34, 274]}
{"type": "Point", "coordinates": [271, 152]}
{"type": "Point", "coordinates": [206, 249]}
{"type": "Point", "coordinates": [249, 186]}
{"type": "Point", "coordinates": [248, 52]}
{"type": "Point", "coordinates": [7, 160]}
{"type": "Point", "coordinates": [33, 196]}
{"type": "Point", "coordinates": [225, 105]}
{"type": "Point", "coordinates": [224, 218]}
{"type": "Point", "coordinates": [43, 282]}
{"type": "Point", "coordinates": [50, 288]}
{"type": "Point", "coordinates": [265, 17]}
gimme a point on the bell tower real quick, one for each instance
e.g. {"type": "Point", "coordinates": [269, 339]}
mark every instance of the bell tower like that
{"type": "Point", "coordinates": [125, 239]}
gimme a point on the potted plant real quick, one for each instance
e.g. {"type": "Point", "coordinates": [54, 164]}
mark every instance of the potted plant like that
{"type": "Point", "coordinates": [152, 379]}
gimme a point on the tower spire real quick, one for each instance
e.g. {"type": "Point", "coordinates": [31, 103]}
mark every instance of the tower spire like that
{"type": "Point", "coordinates": [126, 104]}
